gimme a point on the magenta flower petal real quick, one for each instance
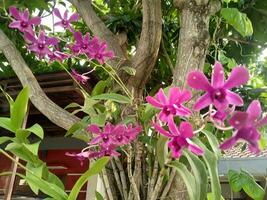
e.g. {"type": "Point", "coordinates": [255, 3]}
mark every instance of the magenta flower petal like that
{"type": "Point", "coordinates": [261, 122]}
{"type": "Point", "coordinates": [161, 96]}
{"type": "Point", "coordinates": [183, 111]}
{"type": "Point", "coordinates": [198, 81]}
{"type": "Point", "coordinates": [52, 41]}
{"type": "Point", "coordinates": [254, 110]}
{"type": "Point", "coordinates": [238, 76]}
{"type": "Point", "coordinates": [162, 131]}
{"type": "Point", "coordinates": [203, 102]}
{"type": "Point", "coordinates": [186, 129]}
{"type": "Point", "coordinates": [57, 13]}
{"type": "Point", "coordinates": [93, 128]}
{"type": "Point", "coordinates": [195, 148]}
{"type": "Point", "coordinates": [153, 102]}
{"type": "Point", "coordinates": [186, 95]}
{"type": "Point", "coordinates": [74, 17]}
{"type": "Point", "coordinates": [65, 15]}
{"type": "Point", "coordinates": [25, 15]}
{"type": "Point", "coordinates": [173, 128]}
{"type": "Point", "coordinates": [174, 94]}
{"type": "Point", "coordinates": [238, 120]}
{"type": "Point", "coordinates": [35, 20]}
{"type": "Point", "coordinates": [217, 79]}
{"type": "Point", "coordinates": [229, 143]}
{"type": "Point", "coordinates": [95, 140]}
{"type": "Point", "coordinates": [14, 12]}
{"type": "Point", "coordinates": [14, 24]}
{"type": "Point", "coordinates": [233, 98]}
{"type": "Point", "coordinates": [30, 37]}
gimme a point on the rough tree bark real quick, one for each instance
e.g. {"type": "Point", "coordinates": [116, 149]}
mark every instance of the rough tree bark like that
{"type": "Point", "coordinates": [53, 112]}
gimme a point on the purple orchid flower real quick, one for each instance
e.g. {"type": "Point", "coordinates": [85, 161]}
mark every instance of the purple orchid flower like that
{"type": "Point", "coordinates": [218, 93]}
{"type": "Point", "coordinates": [171, 106]}
{"type": "Point", "coordinates": [98, 51]}
{"type": "Point", "coordinates": [64, 20]}
{"type": "Point", "coordinates": [81, 45]}
{"type": "Point", "coordinates": [246, 124]}
{"type": "Point", "coordinates": [109, 150]}
{"type": "Point", "coordinates": [180, 138]}
{"type": "Point", "coordinates": [132, 132]}
{"type": "Point", "coordinates": [22, 21]}
{"type": "Point", "coordinates": [58, 56]}
{"type": "Point", "coordinates": [79, 77]}
{"type": "Point", "coordinates": [40, 45]}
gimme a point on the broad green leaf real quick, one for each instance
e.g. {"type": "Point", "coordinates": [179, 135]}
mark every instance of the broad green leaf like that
{"type": "Point", "coordinates": [238, 20]}
{"type": "Point", "coordinates": [6, 124]}
{"type": "Point", "coordinates": [79, 126]}
{"type": "Point", "coordinates": [50, 189]}
{"type": "Point", "coordinates": [22, 134]}
{"type": "Point", "coordinates": [73, 105]}
{"type": "Point", "coordinates": [188, 178]}
{"type": "Point", "coordinates": [113, 97]}
{"type": "Point", "coordinates": [4, 139]}
{"type": "Point", "coordinates": [19, 108]}
{"type": "Point", "coordinates": [37, 130]}
{"type": "Point", "coordinates": [129, 70]}
{"type": "Point", "coordinates": [88, 106]}
{"type": "Point", "coordinates": [244, 180]}
{"type": "Point", "coordinates": [99, 88]}
{"type": "Point", "coordinates": [98, 196]}
{"type": "Point", "coordinates": [200, 173]}
{"type": "Point", "coordinates": [211, 161]}
{"type": "Point", "coordinates": [95, 169]}
{"type": "Point", "coordinates": [33, 147]}
{"type": "Point", "coordinates": [38, 171]}
{"type": "Point", "coordinates": [209, 197]}
{"type": "Point", "coordinates": [213, 142]}
{"type": "Point", "coordinates": [52, 178]}
{"type": "Point", "coordinates": [99, 119]}
{"type": "Point", "coordinates": [162, 150]}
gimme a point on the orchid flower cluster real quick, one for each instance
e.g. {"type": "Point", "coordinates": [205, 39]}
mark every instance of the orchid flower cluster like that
{"type": "Point", "coordinates": [48, 47]}
{"type": "Point", "coordinates": [221, 102]}
{"type": "Point", "coordinates": [107, 141]}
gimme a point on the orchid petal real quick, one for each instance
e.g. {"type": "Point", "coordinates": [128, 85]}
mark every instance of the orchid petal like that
{"type": "Point", "coordinates": [161, 96]}
{"type": "Point", "coordinates": [217, 78]}
{"type": "Point", "coordinates": [78, 36]}
{"type": "Point", "coordinates": [65, 15]}
{"type": "Point", "coordinates": [198, 81]}
{"type": "Point", "coordinates": [35, 20]}
{"type": "Point", "coordinates": [195, 148]}
{"type": "Point", "coordinates": [203, 102]}
{"type": "Point", "coordinates": [25, 15]}
{"type": "Point", "coordinates": [233, 98]}
{"type": "Point", "coordinates": [185, 95]}
{"type": "Point", "coordinates": [183, 111]}
{"type": "Point", "coordinates": [186, 130]}
{"type": "Point", "coordinates": [74, 17]}
{"type": "Point", "coordinates": [164, 117]}
{"type": "Point", "coordinates": [229, 143]}
{"type": "Point", "coordinates": [238, 76]}
{"type": "Point", "coordinates": [173, 128]}
{"type": "Point", "coordinates": [153, 102]}
{"type": "Point", "coordinates": [52, 41]}
{"type": "Point", "coordinates": [254, 110]}
{"type": "Point", "coordinates": [95, 140]}
{"type": "Point", "coordinates": [94, 128]}
{"type": "Point", "coordinates": [261, 122]}
{"type": "Point", "coordinates": [14, 24]}
{"type": "Point", "coordinates": [174, 94]}
{"type": "Point", "coordinates": [14, 12]}
{"type": "Point", "coordinates": [162, 130]}
{"type": "Point", "coordinates": [57, 13]}
{"type": "Point", "coordinates": [238, 120]}
{"type": "Point", "coordinates": [42, 36]}
{"type": "Point", "coordinates": [29, 37]}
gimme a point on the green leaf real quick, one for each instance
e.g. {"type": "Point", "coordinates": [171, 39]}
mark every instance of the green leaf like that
{"type": "Point", "coordinates": [50, 189]}
{"type": "Point", "coordinates": [99, 119]}
{"type": "Point", "coordinates": [22, 134]}
{"type": "Point", "coordinates": [19, 108]}
{"type": "Point", "coordinates": [238, 20]}
{"type": "Point", "coordinates": [209, 197]}
{"type": "Point", "coordinates": [73, 105]}
{"type": "Point", "coordinates": [37, 130]}
{"type": "Point", "coordinates": [95, 169]}
{"type": "Point", "coordinates": [200, 173]}
{"type": "Point", "coordinates": [188, 178]}
{"type": "Point", "coordinates": [4, 139]}
{"type": "Point", "coordinates": [6, 124]}
{"type": "Point", "coordinates": [99, 88]}
{"type": "Point", "coordinates": [33, 147]}
{"type": "Point", "coordinates": [211, 161]}
{"type": "Point", "coordinates": [129, 70]}
{"type": "Point", "coordinates": [244, 180]}
{"type": "Point", "coordinates": [113, 97]}
{"type": "Point", "coordinates": [98, 196]}
{"type": "Point", "coordinates": [162, 150]}
{"type": "Point", "coordinates": [38, 171]}
{"type": "Point", "coordinates": [213, 142]}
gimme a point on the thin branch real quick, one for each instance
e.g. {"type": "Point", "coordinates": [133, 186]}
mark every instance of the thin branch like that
{"type": "Point", "coordinates": [238, 40]}
{"type": "Point", "coordinates": [53, 112]}
{"type": "Point", "coordinates": [153, 179]}
{"type": "Point", "coordinates": [123, 176]}
{"type": "Point", "coordinates": [117, 178]}
{"type": "Point", "coordinates": [133, 189]}
{"type": "Point", "coordinates": [168, 186]}
{"type": "Point", "coordinates": [107, 185]}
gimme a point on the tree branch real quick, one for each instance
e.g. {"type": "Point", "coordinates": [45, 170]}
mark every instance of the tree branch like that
{"type": "Point", "coordinates": [98, 27]}
{"type": "Point", "coordinates": [53, 112]}
{"type": "Point", "coordinates": [147, 50]}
